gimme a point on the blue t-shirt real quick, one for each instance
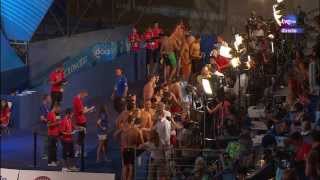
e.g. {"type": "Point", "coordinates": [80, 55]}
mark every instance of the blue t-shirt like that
{"type": "Point", "coordinates": [104, 123]}
{"type": "Point", "coordinates": [121, 84]}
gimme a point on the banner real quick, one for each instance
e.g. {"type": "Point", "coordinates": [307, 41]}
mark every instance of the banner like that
{"type": "Point", "coordinates": [88, 57]}
{"type": "Point", "coordinates": [9, 174]}
{"type": "Point", "coordinates": [55, 175]}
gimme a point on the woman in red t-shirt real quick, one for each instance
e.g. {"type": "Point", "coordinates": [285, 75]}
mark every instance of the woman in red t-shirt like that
{"type": "Point", "coordinates": [5, 113]}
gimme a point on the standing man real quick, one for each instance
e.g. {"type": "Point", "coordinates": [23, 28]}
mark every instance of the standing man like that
{"type": "Point", "coordinates": [44, 110]}
{"type": "Point", "coordinates": [120, 91]}
{"type": "Point", "coordinates": [150, 47]}
{"type": "Point", "coordinates": [195, 55]}
{"type": "Point", "coordinates": [66, 129]}
{"type": "Point", "coordinates": [134, 39]}
{"type": "Point", "coordinates": [130, 138]}
{"type": "Point", "coordinates": [53, 134]}
{"type": "Point", "coordinates": [156, 32]}
{"type": "Point", "coordinates": [148, 89]}
{"type": "Point", "coordinates": [57, 80]}
{"type": "Point", "coordinates": [79, 111]}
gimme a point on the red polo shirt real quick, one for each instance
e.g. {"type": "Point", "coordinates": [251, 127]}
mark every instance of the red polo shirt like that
{"type": "Point", "coordinates": [134, 39]}
{"type": "Point", "coordinates": [53, 130]}
{"type": "Point", "coordinates": [156, 34]}
{"type": "Point", "coordinates": [66, 127]}
{"type": "Point", "coordinates": [56, 78]}
{"type": "Point", "coordinates": [5, 116]}
{"type": "Point", "coordinates": [148, 37]}
{"type": "Point", "coordinates": [78, 109]}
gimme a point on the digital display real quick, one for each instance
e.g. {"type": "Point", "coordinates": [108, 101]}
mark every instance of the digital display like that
{"type": "Point", "coordinates": [289, 25]}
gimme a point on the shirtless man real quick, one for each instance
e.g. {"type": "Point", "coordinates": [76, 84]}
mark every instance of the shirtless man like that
{"type": "Point", "coordinates": [130, 138]}
{"type": "Point", "coordinates": [122, 119]}
{"type": "Point", "coordinates": [167, 52]}
{"type": "Point", "coordinates": [148, 89]}
{"type": "Point", "coordinates": [185, 58]}
{"type": "Point", "coordinates": [145, 123]}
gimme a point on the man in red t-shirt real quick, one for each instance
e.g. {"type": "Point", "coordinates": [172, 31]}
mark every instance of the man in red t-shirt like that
{"type": "Point", "coordinates": [57, 80]}
{"type": "Point", "coordinates": [79, 111]}
{"type": "Point", "coordinates": [134, 39]}
{"type": "Point", "coordinates": [53, 134]}
{"type": "Point", "coordinates": [66, 129]}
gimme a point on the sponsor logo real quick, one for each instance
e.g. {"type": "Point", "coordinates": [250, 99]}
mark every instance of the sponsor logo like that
{"type": "Point", "coordinates": [101, 51]}
{"type": "Point", "coordinates": [3, 178]}
{"type": "Point", "coordinates": [42, 178]}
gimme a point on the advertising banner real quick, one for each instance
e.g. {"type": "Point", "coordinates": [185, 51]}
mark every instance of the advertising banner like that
{"type": "Point", "coordinates": [9, 174]}
{"type": "Point", "coordinates": [55, 175]}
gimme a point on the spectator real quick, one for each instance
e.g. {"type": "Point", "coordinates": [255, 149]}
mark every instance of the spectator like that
{"type": "Point", "coordinates": [57, 81]}
{"type": "Point", "coordinates": [157, 167]}
{"type": "Point", "coordinates": [53, 134]}
{"type": "Point", "coordinates": [313, 160]}
{"type": "Point", "coordinates": [66, 130]}
{"type": "Point", "coordinates": [44, 110]}
{"type": "Point", "coordinates": [79, 111]}
{"type": "Point", "coordinates": [148, 90]}
{"type": "Point", "coordinates": [102, 129]}
{"type": "Point", "coordinates": [134, 39]}
{"type": "Point", "coordinates": [195, 55]}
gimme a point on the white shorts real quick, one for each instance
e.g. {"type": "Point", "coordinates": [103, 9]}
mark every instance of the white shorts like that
{"type": "Point", "coordinates": [102, 137]}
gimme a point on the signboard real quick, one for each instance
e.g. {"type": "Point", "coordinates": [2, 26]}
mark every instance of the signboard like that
{"type": "Point", "coordinates": [55, 175]}
{"type": "Point", "coordinates": [9, 174]}
{"type": "Point", "coordinates": [289, 25]}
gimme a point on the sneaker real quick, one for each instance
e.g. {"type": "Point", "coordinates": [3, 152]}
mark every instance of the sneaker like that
{"type": "Point", "coordinates": [64, 169]}
{"type": "Point", "coordinates": [53, 164]}
{"type": "Point", "coordinates": [77, 154]}
{"type": "Point", "coordinates": [74, 169]}
{"type": "Point", "coordinates": [107, 160]}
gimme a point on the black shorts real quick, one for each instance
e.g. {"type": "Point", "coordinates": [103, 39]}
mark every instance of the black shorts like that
{"type": "Point", "coordinates": [128, 156]}
{"type": "Point", "coordinates": [67, 150]}
{"type": "Point", "coordinates": [56, 97]}
{"type": "Point", "coordinates": [156, 55]}
{"type": "Point", "coordinates": [149, 56]}
{"type": "Point", "coordinates": [81, 135]}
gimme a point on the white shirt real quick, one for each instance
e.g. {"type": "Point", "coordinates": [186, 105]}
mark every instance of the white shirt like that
{"type": "Point", "coordinates": [163, 128]}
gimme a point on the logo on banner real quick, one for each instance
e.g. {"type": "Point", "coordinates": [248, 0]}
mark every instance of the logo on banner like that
{"type": "Point", "coordinates": [42, 178]}
{"type": "Point", "coordinates": [99, 52]}
{"type": "Point", "coordinates": [3, 178]}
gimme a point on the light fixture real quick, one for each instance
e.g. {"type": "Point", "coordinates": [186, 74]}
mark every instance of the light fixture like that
{"type": "Point", "coordinates": [235, 62]}
{"type": "Point", "coordinates": [248, 63]}
{"type": "Point", "coordinates": [206, 86]}
{"type": "Point", "coordinates": [224, 51]}
{"type": "Point", "coordinates": [277, 14]}
{"type": "Point", "coordinates": [238, 41]}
